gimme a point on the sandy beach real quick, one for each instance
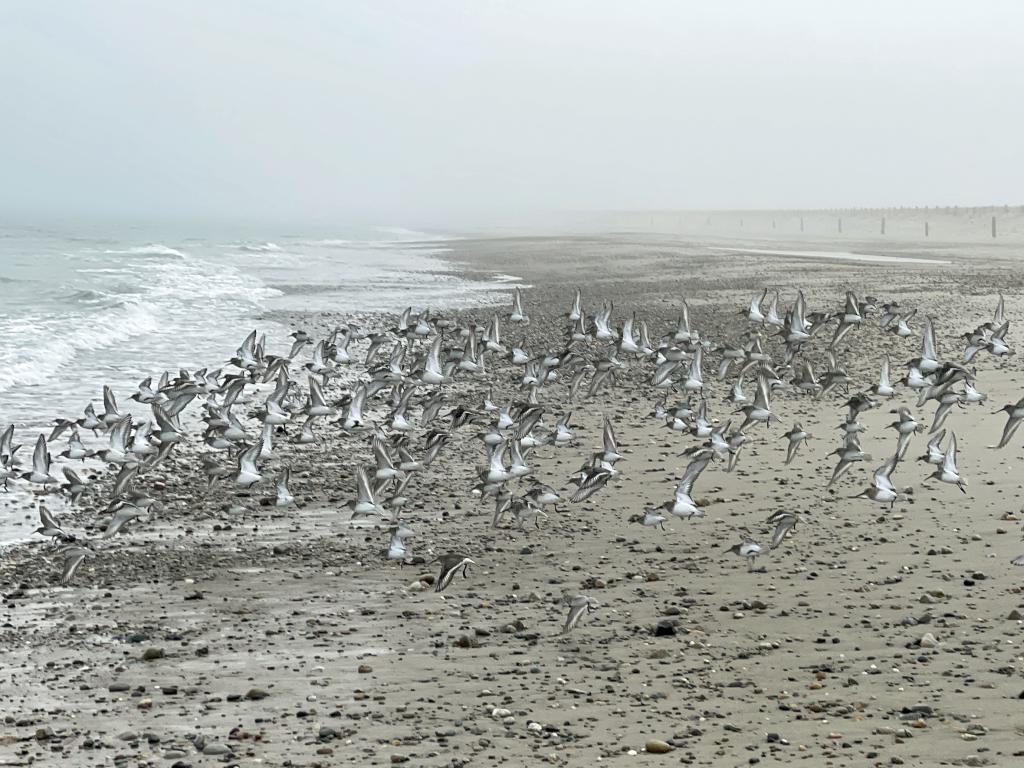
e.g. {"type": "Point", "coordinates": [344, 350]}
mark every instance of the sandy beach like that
{"type": "Point", "coordinates": [222, 630]}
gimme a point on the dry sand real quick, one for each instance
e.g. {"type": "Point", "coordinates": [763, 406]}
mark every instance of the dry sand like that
{"type": "Point", "coordinates": [284, 637]}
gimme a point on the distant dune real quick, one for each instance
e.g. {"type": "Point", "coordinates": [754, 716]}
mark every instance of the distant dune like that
{"type": "Point", "coordinates": [939, 225]}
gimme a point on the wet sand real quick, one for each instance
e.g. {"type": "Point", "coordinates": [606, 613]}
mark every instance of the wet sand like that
{"type": "Point", "coordinates": [224, 630]}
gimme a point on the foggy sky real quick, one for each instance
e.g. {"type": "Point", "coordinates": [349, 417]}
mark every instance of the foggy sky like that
{"type": "Point", "coordinates": [432, 112]}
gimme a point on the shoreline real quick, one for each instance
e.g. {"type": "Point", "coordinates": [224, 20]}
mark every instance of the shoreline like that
{"type": "Point", "coordinates": [294, 603]}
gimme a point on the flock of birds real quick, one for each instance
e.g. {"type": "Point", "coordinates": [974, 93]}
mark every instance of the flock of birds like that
{"type": "Point", "coordinates": [402, 407]}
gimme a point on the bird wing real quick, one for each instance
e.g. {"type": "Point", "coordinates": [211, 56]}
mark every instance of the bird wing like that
{"type": "Point", "coordinates": [109, 401]}
{"type": "Point", "coordinates": [690, 475]}
{"type": "Point", "coordinates": [762, 400]}
{"type": "Point", "coordinates": [380, 453]}
{"type": "Point", "coordinates": [590, 485]}
{"type": "Point", "coordinates": [577, 607]}
{"type": "Point", "coordinates": [247, 459]}
{"type": "Point", "coordinates": [928, 340]}
{"type": "Point", "coordinates": [47, 519]}
{"type": "Point", "coordinates": [41, 457]}
{"type": "Point", "coordinates": [610, 444]}
{"type": "Point", "coordinates": [949, 460]}
{"type": "Point", "coordinates": [784, 526]}
{"type": "Point", "coordinates": [1011, 426]}
{"type": "Point", "coordinates": [883, 378]}
{"type": "Point", "coordinates": [882, 479]}
{"type": "Point", "coordinates": [119, 434]}
{"type": "Point", "coordinates": [364, 492]}
{"type": "Point", "coordinates": [71, 562]}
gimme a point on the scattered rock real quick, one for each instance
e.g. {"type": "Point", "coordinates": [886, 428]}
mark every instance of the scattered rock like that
{"type": "Point", "coordinates": [664, 628]}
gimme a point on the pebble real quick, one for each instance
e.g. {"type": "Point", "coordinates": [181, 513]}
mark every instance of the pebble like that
{"type": "Point", "coordinates": [657, 747]}
{"type": "Point", "coordinates": [664, 628]}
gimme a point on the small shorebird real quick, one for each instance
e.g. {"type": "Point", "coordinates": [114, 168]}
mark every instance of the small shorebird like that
{"type": "Point", "coordinates": [929, 361]}
{"type": "Point", "coordinates": [650, 518]}
{"type": "Point", "coordinates": [450, 565]}
{"type": "Point", "coordinates": [365, 504]}
{"type": "Point", "coordinates": [541, 495]}
{"type": "Point", "coordinates": [848, 453]}
{"type": "Point", "coordinates": [75, 485]}
{"type": "Point", "coordinates": [760, 411]}
{"type": "Point", "coordinates": [76, 450]}
{"type": "Point", "coordinates": [948, 472]}
{"type": "Point", "coordinates": [576, 313]}
{"type": "Point", "coordinates": [694, 381]}
{"type": "Point", "coordinates": [748, 549]}
{"type": "Point", "coordinates": [248, 474]}
{"type": "Point", "coordinates": [284, 496]}
{"type": "Point", "coordinates": [518, 316]}
{"type": "Point", "coordinates": [785, 523]}
{"type": "Point", "coordinates": [884, 387]}
{"type": "Point", "coordinates": [578, 605]}
{"type": "Point", "coordinates": [1015, 414]}
{"type": "Point", "coordinates": [905, 427]}
{"type": "Point", "coordinates": [611, 444]}
{"type": "Point", "coordinates": [73, 557]}
{"type": "Point", "coordinates": [592, 479]}
{"type": "Point", "coordinates": [51, 527]}
{"type": "Point", "coordinates": [40, 473]}
{"type": "Point", "coordinates": [684, 505]}
{"type": "Point", "coordinates": [796, 437]}
{"type": "Point", "coordinates": [883, 490]}
{"type": "Point", "coordinates": [934, 454]}
{"type": "Point", "coordinates": [110, 415]}
{"type": "Point", "coordinates": [123, 512]}
{"type": "Point", "coordinates": [753, 312]}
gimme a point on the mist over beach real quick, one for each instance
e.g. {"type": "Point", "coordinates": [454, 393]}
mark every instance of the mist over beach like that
{"type": "Point", "coordinates": [462, 384]}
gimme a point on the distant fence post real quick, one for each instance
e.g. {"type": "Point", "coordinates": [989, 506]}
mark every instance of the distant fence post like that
{"type": "Point", "coordinates": [993, 226]}
{"type": "Point", "coordinates": [883, 225]}
{"type": "Point", "coordinates": [926, 229]}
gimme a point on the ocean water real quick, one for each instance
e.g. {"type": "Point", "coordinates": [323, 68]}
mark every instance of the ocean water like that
{"type": "Point", "coordinates": [83, 307]}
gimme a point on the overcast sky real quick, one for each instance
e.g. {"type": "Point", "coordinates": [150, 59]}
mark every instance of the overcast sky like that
{"type": "Point", "coordinates": [439, 111]}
